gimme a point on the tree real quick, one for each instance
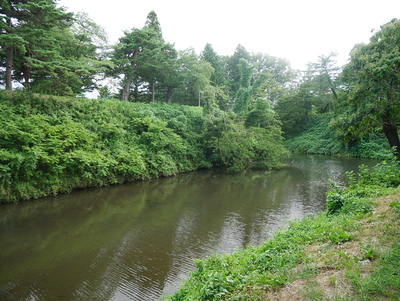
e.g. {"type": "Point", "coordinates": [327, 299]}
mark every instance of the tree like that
{"type": "Point", "coordinates": [277, 76]}
{"type": "Point", "coordinates": [321, 80]}
{"type": "Point", "coordinates": [143, 56]}
{"type": "Point", "coordinates": [192, 78]}
{"type": "Point", "coordinates": [71, 62]}
{"type": "Point", "coordinates": [244, 94]}
{"type": "Point", "coordinates": [233, 72]}
{"type": "Point", "coordinates": [88, 51]}
{"type": "Point", "coordinates": [373, 84]}
{"type": "Point", "coordinates": [156, 65]}
{"type": "Point", "coordinates": [210, 55]}
{"type": "Point", "coordinates": [293, 111]}
{"type": "Point", "coordinates": [127, 53]}
{"type": "Point", "coordinates": [247, 91]}
{"type": "Point", "coordinates": [153, 24]}
{"type": "Point", "coordinates": [218, 78]}
{"type": "Point", "coordinates": [168, 69]}
{"type": "Point", "coordinates": [48, 50]}
{"type": "Point", "coordinates": [23, 25]}
{"type": "Point", "coordinates": [262, 115]}
{"type": "Point", "coordinates": [158, 58]}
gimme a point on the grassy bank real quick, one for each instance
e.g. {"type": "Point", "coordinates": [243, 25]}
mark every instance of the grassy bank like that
{"type": "Point", "coordinates": [349, 252]}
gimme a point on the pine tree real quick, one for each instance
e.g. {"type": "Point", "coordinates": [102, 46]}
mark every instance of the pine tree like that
{"type": "Point", "coordinates": [211, 56]}
{"type": "Point", "coordinates": [24, 28]}
{"type": "Point", "coordinates": [143, 56]}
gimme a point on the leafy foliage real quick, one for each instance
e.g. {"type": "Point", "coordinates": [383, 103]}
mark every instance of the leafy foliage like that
{"type": "Point", "coordinates": [48, 50]}
{"type": "Point", "coordinates": [372, 77]}
{"type": "Point", "coordinates": [52, 145]}
{"type": "Point", "coordinates": [229, 142]}
{"type": "Point", "coordinates": [368, 183]}
{"type": "Point", "coordinates": [319, 138]}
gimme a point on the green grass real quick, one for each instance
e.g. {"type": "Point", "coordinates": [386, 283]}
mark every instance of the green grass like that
{"type": "Point", "coordinates": [384, 281]}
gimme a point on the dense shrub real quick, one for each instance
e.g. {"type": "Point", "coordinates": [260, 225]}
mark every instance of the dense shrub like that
{"type": "Point", "coordinates": [53, 145]}
{"type": "Point", "coordinates": [49, 146]}
{"type": "Point", "coordinates": [319, 138]}
{"type": "Point", "coordinates": [368, 183]}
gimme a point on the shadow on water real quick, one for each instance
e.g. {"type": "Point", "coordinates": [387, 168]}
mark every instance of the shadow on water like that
{"type": "Point", "coordinates": [137, 241]}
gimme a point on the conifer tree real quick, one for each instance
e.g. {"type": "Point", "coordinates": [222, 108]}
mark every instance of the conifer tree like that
{"type": "Point", "coordinates": [143, 56]}
{"type": "Point", "coordinates": [24, 28]}
{"type": "Point", "coordinates": [210, 55]}
{"type": "Point", "coordinates": [48, 50]}
{"type": "Point", "coordinates": [233, 69]}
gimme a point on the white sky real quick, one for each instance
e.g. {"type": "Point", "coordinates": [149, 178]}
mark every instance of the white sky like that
{"type": "Point", "coordinates": [298, 30]}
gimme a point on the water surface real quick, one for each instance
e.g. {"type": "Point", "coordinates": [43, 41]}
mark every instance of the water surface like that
{"type": "Point", "coordinates": [137, 241]}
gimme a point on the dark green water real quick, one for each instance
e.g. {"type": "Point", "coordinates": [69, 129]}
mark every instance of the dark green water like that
{"type": "Point", "coordinates": [137, 241]}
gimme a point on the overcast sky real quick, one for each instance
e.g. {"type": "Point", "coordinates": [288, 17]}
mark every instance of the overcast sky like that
{"type": "Point", "coordinates": [298, 30]}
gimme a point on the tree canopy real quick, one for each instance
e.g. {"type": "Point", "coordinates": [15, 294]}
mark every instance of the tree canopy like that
{"type": "Point", "coordinates": [48, 50]}
{"type": "Point", "coordinates": [372, 79]}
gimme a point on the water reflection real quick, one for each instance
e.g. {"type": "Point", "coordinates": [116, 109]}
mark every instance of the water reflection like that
{"type": "Point", "coordinates": [137, 241]}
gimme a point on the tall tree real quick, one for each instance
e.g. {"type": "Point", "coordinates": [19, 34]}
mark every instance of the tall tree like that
{"type": "Point", "coordinates": [210, 55]}
{"type": "Point", "coordinates": [249, 90]}
{"type": "Point", "coordinates": [157, 64]}
{"type": "Point", "coordinates": [72, 63]}
{"type": "Point", "coordinates": [192, 78]}
{"type": "Point", "coordinates": [373, 83]}
{"type": "Point", "coordinates": [127, 53]}
{"type": "Point", "coordinates": [88, 51]}
{"type": "Point", "coordinates": [153, 24]}
{"type": "Point", "coordinates": [159, 58]}
{"type": "Point", "coordinates": [278, 76]}
{"type": "Point", "coordinates": [244, 94]}
{"type": "Point", "coordinates": [218, 78]}
{"type": "Point", "coordinates": [23, 24]}
{"type": "Point", "coordinates": [144, 56]}
{"type": "Point", "coordinates": [233, 69]}
{"type": "Point", "coordinates": [321, 80]}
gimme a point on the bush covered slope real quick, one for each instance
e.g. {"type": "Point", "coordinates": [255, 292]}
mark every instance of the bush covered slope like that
{"type": "Point", "coordinates": [49, 145]}
{"type": "Point", "coordinates": [319, 138]}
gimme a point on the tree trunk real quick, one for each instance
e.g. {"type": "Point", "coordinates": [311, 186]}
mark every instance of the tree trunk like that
{"type": "Point", "coordinates": [127, 88]}
{"type": "Point", "coordinates": [334, 93]}
{"type": "Point", "coordinates": [168, 97]}
{"type": "Point", "coordinates": [27, 77]}
{"type": "Point", "coordinates": [153, 98]}
{"type": "Point", "coordinates": [9, 67]}
{"type": "Point", "coordinates": [391, 133]}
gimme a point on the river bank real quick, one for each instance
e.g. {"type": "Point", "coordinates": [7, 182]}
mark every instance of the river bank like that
{"type": "Point", "coordinates": [349, 252]}
{"type": "Point", "coordinates": [364, 267]}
